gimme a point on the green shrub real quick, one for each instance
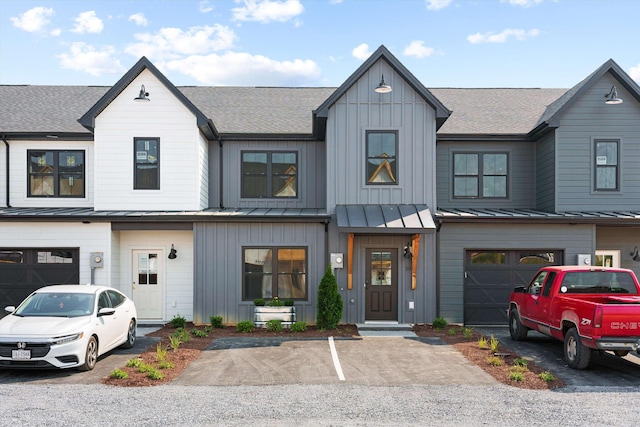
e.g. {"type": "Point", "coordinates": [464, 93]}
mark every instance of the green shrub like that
{"type": "Point", "coordinates": [175, 342]}
{"type": "Point", "coordinates": [329, 302]}
{"type": "Point", "coordinates": [155, 374]}
{"type": "Point", "coordinates": [451, 331]}
{"type": "Point", "coordinates": [439, 323]}
{"type": "Point", "coordinates": [494, 344]}
{"type": "Point", "coordinates": [119, 374]}
{"type": "Point", "coordinates": [182, 334]}
{"type": "Point", "coordinates": [161, 353]}
{"type": "Point", "coordinates": [178, 321]}
{"type": "Point", "coordinates": [216, 322]}
{"type": "Point", "coordinates": [495, 361]}
{"type": "Point", "coordinates": [208, 329]}
{"type": "Point", "coordinates": [274, 325]}
{"type": "Point", "coordinates": [245, 326]}
{"type": "Point", "coordinates": [547, 376]}
{"type": "Point", "coordinates": [259, 302]}
{"type": "Point", "coordinates": [199, 333]}
{"type": "Point", "coordinates": [467, 332]}
{"type": "Point", "coordinates": [134, 363]}
{"type": "Point", "coordinates": [483, 343]}
{"type": "Point", "coordinates": [299, 327]}
{"type": "Point", "coordinates": [276, 302]}
{"type": "Point", "coordinates": [516, 376]}
{"type": "Point", "coordinates": [288, 303]}
{"type": "Point", "coordinates": [520, 362]}
{"type": "Point", "coordinates": [167, 364]}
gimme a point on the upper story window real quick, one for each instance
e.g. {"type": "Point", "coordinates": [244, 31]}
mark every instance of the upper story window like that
{"type": "Point", "coordinates": [146, 158]}
{"type": "Point", "coordinates": [480, 175]}
{"type": "Point", "coordinates": [274, 272]}
{"type": "Point", "coordinates": [56, 173]}
{"type": "Point", "coordinates": [382, 157]}
{"type": "Point", "coordinates": [269, 174]}
{"type": "Point", "coordinates": [606, 164]}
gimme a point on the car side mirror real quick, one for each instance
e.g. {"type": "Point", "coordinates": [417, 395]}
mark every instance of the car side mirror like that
{"type": "Point", "coordinates": [107, 311]}
{"type": "Point", "coordinates": [9, 309]}
{"type": "Point", "coordinates": [519, 289]}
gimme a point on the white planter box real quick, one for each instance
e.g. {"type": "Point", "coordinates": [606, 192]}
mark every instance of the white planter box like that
{"type": "Point", "coordinates": [287, 315]}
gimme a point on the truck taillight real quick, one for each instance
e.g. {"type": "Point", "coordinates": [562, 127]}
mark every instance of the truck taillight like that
{"type": "Point", "coordinates": [597, 318]}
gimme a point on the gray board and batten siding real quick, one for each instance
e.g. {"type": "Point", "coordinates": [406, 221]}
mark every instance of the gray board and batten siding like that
{"type": "Point", "coordinates": [545, 178]}
{"type": "Point", "coordinates": [584, 122]}
{"type": "Point", "coordinates": [457, 238]}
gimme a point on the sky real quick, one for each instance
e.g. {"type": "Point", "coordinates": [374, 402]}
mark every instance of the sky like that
{"type": "Point", "coordinates": [444, 43]}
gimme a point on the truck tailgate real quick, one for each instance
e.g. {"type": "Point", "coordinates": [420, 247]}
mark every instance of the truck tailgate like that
{"type": "Point", "coordinates": [620, 319]}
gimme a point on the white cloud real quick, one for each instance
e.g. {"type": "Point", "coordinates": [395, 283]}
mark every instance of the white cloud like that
{"type": "Point", "coordinates": [361, 52]}
{"type": "Point", "coordinates": [523, 3]}
{"type": "Point", "coordinates": [634, 72]}
{"type": "Point", "coordinates": [139, 19]}
{"type": "Point", "coordinates": [233, 68]}
{"type": "Point", "coordinates": [173, 43]}
{"type": "Point", "coordinates": [503, 36]}
{"type": "Point", "coordinates": [265, 11]}
{"type": "Point", "coordinates": [437, 4]}
{"type": "Point", "coordinates": [88, 22]}
{"type": "Point", "coordinates": [204, 6]}
{"type": "Point", "coordinates": [86, 58]}
{"type": "Point", "coordinates": [418, 49]}
{"type": "Point", "coordinates": [33, 20]}
{"type": "Point", "coordinates": [55, 32]}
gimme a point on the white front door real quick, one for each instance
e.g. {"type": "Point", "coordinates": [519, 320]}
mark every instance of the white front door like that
{"type": "Point", "coordinates": [147, 283]}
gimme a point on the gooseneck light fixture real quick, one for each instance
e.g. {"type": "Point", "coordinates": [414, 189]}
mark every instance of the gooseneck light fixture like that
{"type": "Point", "coordinates": [143, 96]}
{"type": "Point", "coordinates": [383, 87]}
{"type": "Point", "coordinates": [612, 97]}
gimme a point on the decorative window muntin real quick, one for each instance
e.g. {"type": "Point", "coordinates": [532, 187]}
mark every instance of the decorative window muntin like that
{"type": "Point", "coordinates": [382, 157]}
{"type": "Point", "coordinates": [607, 159]}
{"type": "Point", "coordinates": [146, 159]}
{"type": "Point", "coordinates": [56, 173]}
{"type": "Point", "coordinates": [480, 175]}
{"type": "Point", "coordinates": [270, 272]}
{"type": "Point", "coordinates": [269, 174]}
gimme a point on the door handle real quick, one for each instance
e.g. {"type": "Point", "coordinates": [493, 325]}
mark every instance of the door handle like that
{"type": "Point", "coordinates": [365, 284]}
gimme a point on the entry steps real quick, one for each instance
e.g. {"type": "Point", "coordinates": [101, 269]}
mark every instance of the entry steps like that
{"type": "Point", "coordinates": [385, 329]}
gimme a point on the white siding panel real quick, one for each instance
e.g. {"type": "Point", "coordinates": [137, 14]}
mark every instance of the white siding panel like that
{"type": "Point", "coordinates": [204, 172]}
{"type": "Point", "coordinates": [180, 150]}
{"type": "Point", "coordinates": [19, 178]}
{"type": "Point", "coordinates": [94, 237]}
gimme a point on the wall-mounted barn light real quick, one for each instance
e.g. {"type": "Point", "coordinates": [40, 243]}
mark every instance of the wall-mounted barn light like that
{"type": "Point", "coordinates": [383, 87]}
{"type": "Point", "coordinates": [143, 96]}
{"type": "Point", "coordinates": [173, 253]}
{"type": "Point", "coordinates": [612, 97]}
{"type": "Point", "coordinates": [635, 255]}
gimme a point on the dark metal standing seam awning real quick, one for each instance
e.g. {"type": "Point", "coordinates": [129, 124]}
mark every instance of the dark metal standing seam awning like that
{"type": "Point", "coordinates": [388, 219]}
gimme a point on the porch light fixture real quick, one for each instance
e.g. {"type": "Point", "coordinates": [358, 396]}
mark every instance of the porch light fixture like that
{"type": "Point", "coordinates": [635, 255]}
{"type": "Point", "coordinates": [612, 97]}
{"type": "Point", "coordinates": [383, 87]}
{"type": "Point", "coordinates": [407, 251]}
{"type": "Point", "coordinates": [144, 95]}
{"type": "Point", "coordinates": [173, 252]}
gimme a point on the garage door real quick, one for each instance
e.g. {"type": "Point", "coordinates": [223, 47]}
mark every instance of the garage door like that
{"type": "Point", "coordinates": [24, 270]}
{"type": "Point", "coordinates": [491, 275]}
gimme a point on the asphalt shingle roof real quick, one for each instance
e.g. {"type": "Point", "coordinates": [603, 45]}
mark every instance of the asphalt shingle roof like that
{"type": "Point", "coordinates": [272, 110]}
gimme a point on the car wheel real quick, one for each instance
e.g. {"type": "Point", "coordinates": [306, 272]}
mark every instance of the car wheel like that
{"type": "Point", "coordinates": [517, 330]}
{"type": "Point", "coordinates": [131, 335]}
{"type": "Point", "coordinates": [577, 355]}
{"type": "Point", "coordinates": [91, 355]}
{"type": "Point", "coordinates": [621, 353]}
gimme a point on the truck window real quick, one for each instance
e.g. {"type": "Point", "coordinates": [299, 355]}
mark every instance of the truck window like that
{"type": "Point", "coordinates": [598, 282]}
{"type": "Point", "coordinates": [546, 290]}
{"type": "Point", "coordinates": [536, 284]}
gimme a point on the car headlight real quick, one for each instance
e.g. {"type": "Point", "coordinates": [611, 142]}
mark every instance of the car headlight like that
{"type": "Point", "coordinates": [67, 338]}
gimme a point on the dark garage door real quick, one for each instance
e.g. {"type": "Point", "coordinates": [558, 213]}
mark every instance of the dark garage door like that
{"type": "Point", "coordinates": [22, 271]}
{"type": "Point", "coordinates": [490, 275]}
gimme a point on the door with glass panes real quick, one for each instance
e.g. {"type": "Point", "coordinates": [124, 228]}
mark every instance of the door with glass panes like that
{"type": "Point", "coordinates": [147, 283]}
{"type": "Point", "coordinates": [381, 286]}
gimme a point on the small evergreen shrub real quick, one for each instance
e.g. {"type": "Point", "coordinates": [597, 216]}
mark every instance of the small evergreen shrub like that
{"type": "Point", "coordinates": [245, 326]}
{"type": "Point", "coordinates": [216, 322]}
{"type": "Point", "coordinates": [330, 303]}
{"type": "Point", "coordinates": [439, 323]}
{"type": "Point", "coordinates": [274, 325]}
{"type": "Point", "coordinates": [119, 374]}
{"type": "Point", "coordinates": [178, 321]}
{"type": "Point", "coordinates": [298, 327]}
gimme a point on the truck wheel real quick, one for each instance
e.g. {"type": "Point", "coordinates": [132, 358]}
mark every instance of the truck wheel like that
{"type": "Point", "coordinates": [621, 353]}
{"type": "Point", "coordinates": [577, 355]}
{"type": "Point", "coordinates": [517, 330]}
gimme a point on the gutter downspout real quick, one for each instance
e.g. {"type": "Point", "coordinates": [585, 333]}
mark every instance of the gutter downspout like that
{"type": "Point", "coordinates": [221, 174]}
{"type": "Point", "coordinates": [6, 143]}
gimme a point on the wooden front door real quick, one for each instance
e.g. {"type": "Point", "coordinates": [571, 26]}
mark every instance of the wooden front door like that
{"type": "Point", "coordinates": [381, 292]}
{"type": "Point", "coordinates": [147, 283]}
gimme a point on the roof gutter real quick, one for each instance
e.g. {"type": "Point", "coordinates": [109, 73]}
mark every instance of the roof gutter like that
{"type": "Point", "coordinates": [6, 143]}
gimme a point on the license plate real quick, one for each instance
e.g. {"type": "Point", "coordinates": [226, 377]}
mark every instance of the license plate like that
{"type": "Point", "coordinates": [21, 354]}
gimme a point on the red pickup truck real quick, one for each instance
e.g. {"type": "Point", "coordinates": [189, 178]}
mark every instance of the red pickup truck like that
{"type": "Point", "coordinates": [589, 308]}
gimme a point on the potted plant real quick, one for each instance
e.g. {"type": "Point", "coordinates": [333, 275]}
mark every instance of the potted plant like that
{"type": "Point", "coordinates": [275, 309]}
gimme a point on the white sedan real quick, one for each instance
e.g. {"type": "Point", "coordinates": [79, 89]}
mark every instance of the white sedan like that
{"type": "Point", "coordinates": [66, 326]}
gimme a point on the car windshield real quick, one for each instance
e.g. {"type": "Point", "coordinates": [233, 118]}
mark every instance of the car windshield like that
{"type": "Point", "coordinates": [56, 304]}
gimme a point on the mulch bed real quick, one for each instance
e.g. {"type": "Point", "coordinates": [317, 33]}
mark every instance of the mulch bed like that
{"type": "Point", "coordinates": [190, 350]}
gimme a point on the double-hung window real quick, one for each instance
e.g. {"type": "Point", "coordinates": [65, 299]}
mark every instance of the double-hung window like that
{"type": "Point", "coordinates": [146, 160]}
{"type": "Point", "coordinates": [269, 174]}
{"type": "Point", "coordinates": [274, 272]}
{"type": "Point", "coordinates": [480, 175]}
{"type": "Point", "coordinates": [607, 159]}
{"type": "Point", "coordinates": [56, 173]}
{"type": "Point", "coordinates": [382, 157]}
